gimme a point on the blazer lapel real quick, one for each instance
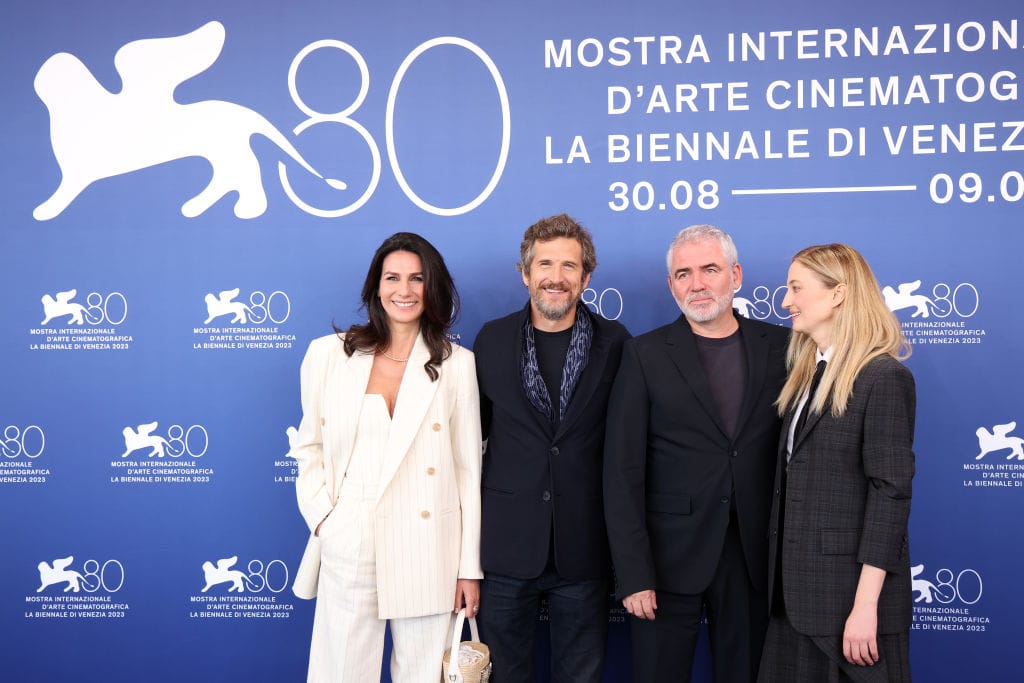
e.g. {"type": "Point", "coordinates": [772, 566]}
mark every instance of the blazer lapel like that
{"type": "Point", "coordinates": [682, 349]}
{"type": "Point", "coordinates": [756, 343]}
{"type": "Point", "coordinates": [415, 395]}
{"type": "Point", "coordinates": [812, 420]}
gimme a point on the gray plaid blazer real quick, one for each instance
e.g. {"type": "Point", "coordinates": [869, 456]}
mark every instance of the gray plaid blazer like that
{"type": "Point", "coordinates": [848, 487]}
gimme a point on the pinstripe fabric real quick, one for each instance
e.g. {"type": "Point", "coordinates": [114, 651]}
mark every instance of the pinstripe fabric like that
{"type": "Point", "coordinates": [424, 512]}
{"type": "Point", "coordinates": [348, 636]}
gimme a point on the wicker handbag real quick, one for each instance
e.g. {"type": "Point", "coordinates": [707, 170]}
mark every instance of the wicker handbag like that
{"type": "Point", "coordinates": [472, 658]}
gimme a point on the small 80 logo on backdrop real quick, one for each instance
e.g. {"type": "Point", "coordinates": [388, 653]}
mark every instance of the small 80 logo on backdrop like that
{"type": "Point", "coordinates": [940, 314]}
{"type": "Point", "coordinates": [152, 456]}
{"type": "Point", "coordinates": [252, 591]}
{"type": "Point", "coordinates": [251, 323]}
{"type": "Point", "coordinates": [68, 590]}
{"type": "Point", "coordinates": [89, 324]}
{"type": "Point", "coordinates": [948, 599]}
{"type": "Point", "coordinates": [21, 447]}
{"type": "Point", "coordinates": [998, 461]}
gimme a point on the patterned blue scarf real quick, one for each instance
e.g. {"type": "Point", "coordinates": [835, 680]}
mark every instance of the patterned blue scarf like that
{"type": "Point", "coordinates": [575, 360]}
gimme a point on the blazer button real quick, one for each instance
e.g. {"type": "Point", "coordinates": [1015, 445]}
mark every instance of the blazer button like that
{"type": "Point", "coordinates": [430, 471]}
{"type": "Point", "coordinates": [724, 499]}
{"type": "Point", "coordinates": [425, 514]}
{"type": "Point", "coordinates": [322, 422]}
{"type": "Point", "coordinates": [735, 453]}
{"type": "Point", "coordinates": [436, 427]}
{"type": "Point", "coordinates": [554, 450]}
{"type": "Point", "coordinates": [547, 496]}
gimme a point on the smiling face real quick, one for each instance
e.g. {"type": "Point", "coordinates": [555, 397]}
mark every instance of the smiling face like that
{"type": "Point", "coordinates": [556, 281]}
{"type": "Point", "coordinates": [812, 304]}
{"type": "Point", "coordinates": [401, 288]}
{"type": "Point", "coordinates": [702, 282]}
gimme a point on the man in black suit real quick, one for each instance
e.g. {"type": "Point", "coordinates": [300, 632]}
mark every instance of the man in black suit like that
{"type": "Point", "coordinates": [544, 374]}
{"type": "Point", "coordinates": [689, 459]}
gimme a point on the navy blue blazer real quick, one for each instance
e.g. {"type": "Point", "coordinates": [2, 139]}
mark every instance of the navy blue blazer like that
{"type": "Point", "coordinates": [539, 480]}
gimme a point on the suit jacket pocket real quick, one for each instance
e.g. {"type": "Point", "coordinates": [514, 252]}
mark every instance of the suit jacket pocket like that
{"type": "Point", "coordinates": [490, 490]}
{"type": "Point", "coordinates": [668, 503]}
{"type": "Point", "coordinates": [840, 541]}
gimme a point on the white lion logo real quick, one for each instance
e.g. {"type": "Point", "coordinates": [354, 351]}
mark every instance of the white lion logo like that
{"type": "Point", "coordinates": [98, 134]}
{"type": "Point", "coordinates": [59, 573]}
{"type": "Point", "coordinates": [62, 304]}
{"type": "Point", "coordinates": [925, 589]}
{"type": "Point", "coordinates": [222, 304]}
{"type": "Point", "coordinates": [743, 305]}
{"type": "Point", "coordinates": [999, 439]}
{"type": "Point", "coordinates": [144, 438]}
{"type": "Point", "coordinates": [223, 573]}
{"type": "Point", "coordinates": [903, 297]}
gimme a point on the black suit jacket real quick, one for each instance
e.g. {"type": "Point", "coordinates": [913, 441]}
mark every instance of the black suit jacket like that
{"type": "Point", "coordinates": [672, 473]}
{"type": "Point", "coordinates": [848, 488]}
{"type": "Point", "coordinates": [535, 478]}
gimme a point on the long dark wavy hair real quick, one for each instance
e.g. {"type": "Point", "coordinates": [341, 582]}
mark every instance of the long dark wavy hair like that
{"type": "Point", "coordinates": [440, 303]}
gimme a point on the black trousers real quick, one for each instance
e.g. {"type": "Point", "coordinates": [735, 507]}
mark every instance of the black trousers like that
{"type": "Point", "coordinates": [663, 648]}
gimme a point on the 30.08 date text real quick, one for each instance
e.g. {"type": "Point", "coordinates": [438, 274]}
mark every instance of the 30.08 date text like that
{"type": "Point", "coordinates": [681, 195]}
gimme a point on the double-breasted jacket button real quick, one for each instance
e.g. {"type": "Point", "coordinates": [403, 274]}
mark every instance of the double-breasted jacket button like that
{"type": "Point", "coordinates": [430, 471]}
{"type": "Point", "coordinates": [322, 422]}
{"type": "Point", "coordinates": [425, 514]}
{"type": "Point", "coordinates": [436, 426]}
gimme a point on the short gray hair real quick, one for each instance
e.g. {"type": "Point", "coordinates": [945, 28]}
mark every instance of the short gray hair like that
{"type": "Point", "coordinates": [703, 233]}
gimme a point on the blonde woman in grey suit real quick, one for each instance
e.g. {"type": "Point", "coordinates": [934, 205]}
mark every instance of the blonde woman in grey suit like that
{"type": "Point", "coordinates": [839, 563]}
{"type": "Point", "coordinates": [389, 454]}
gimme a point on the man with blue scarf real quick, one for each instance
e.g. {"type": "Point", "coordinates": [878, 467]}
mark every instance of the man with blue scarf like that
{"type": "Point", "coordinates": [545, 373]}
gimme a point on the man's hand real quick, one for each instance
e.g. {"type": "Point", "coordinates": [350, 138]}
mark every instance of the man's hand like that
{"type": "Point", "coordinates": [641, 604]}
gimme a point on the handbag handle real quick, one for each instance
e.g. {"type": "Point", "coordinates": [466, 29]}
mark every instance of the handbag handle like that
{"type": "Point", "coordinates": [454, 672]}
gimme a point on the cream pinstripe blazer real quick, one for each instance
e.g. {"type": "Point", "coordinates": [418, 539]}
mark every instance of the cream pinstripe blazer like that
{"type": "Point", "coordinates": [427, 515]}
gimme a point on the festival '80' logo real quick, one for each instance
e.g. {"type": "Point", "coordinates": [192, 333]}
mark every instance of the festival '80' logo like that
{"type": "Point", "coordinates": [96, 134]}
{"type": "Point", "coordinates": [89, 322]}
{"type": "Point", "coordinates": [258, 576]}
{"type": "Point", "coordinates": [948, 599]}
{"type": "Point", "coordinates": [250, 591]}
{"type": "Point", "coordinates": [84, 590]}
{"type": "Point", "coordinates": [235, 321]}
{"type": "Point", "coordinates": [997, 462]}
{"type": "Point", "coordinates": [21, 446]}
{"type": "Point", "coordinates": [175, 455]}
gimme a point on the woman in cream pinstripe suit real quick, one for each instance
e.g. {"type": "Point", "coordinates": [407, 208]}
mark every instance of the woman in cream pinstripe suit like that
{"type": "Point", "coordinates": [389, 455]}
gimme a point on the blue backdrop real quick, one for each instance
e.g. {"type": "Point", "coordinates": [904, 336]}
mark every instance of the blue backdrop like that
{"type": "Point", "coordinates": [192, 191]}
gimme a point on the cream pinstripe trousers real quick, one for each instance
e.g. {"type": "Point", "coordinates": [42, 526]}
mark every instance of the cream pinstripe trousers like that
{"type": "Point", "coordinates": [348, 636]}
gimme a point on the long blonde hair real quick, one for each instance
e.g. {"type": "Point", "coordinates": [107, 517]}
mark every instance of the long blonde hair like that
{"type": "Point", "coordinates": [863, 328]}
